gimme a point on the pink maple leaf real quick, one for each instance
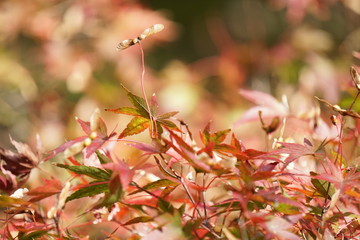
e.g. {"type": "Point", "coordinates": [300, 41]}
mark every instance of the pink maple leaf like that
{"type": "Point", "coordinates": [267, 104]}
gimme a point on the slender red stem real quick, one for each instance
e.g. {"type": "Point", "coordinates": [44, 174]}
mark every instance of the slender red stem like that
{"type": "Point", "coordinates": [142, 78]}
{"type": "Point", "coordinates": [352, 104]}
{"type": "Point", "coordinates": [152, 131]}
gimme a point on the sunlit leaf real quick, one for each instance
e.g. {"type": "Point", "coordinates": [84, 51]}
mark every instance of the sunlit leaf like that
{"type": "Point", "coordinates": [92, 172]}
{"type": "Point", "coordinates": [50, 187]}
{"type": "Point", "coordinates": [237, 143]}
{"type": "Point", "coordinates": [166, 115]}
{"type": "Point", "coordinates": [157, 184]}
{"type": "Point", "coordinates": [126, 110]}
{"type": "Point", "coordinates": [7, 201]}
{"type": "Point", "coordinates": [216, 137]}
{"type": "Point", "coordinates": [168, 124]}
{"type": "Point", "coordinates": [325, 189]}
{"type": "Point", "coordinates": [286, 208]}
{"type": "Point", "coordinates": [32, 235]}
{"type": "Point", "coordinates": [89, 191]}
{"type": "Point", "coordinates": [205, 134]}
{"type": "Point", "coordinates": [138, 102]}
{"type": "Point", "coordinates": [135, 126]}
{"type": "Point", "coordinates": [141, 219]}
{"type": "Point", "coordinates": [219, 136]}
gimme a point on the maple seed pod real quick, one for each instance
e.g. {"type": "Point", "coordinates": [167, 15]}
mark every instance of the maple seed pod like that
{"type": "Point", "coordinates": [125, 44]}
{"type": "Point", "coordinates": [147, 32]}
{"type": "Point", "coordinates": [355, 75]}
{"type": "Point", "coordinates": [151, 30]}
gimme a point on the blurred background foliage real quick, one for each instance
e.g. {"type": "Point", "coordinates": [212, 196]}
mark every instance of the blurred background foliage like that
{"type": "Point", "coordinates": [58, 59]}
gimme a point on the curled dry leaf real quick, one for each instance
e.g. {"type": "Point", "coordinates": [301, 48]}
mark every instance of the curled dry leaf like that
{"type": "Point", "coordinates": [16, 165]}
{"type": "Point", "coordinates": [340, 110]}
{"type": "Point", "coordinates": [355, 75]}
{"type": "Point", "coordinates": [269, 128]}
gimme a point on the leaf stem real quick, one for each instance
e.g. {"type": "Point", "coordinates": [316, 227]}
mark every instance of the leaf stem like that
{"type": "Point", "coordinates": [352, 104]}
{"type": "Point", "coordinates": [152, 134]}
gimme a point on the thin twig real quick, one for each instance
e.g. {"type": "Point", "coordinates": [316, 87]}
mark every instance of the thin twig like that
{"type": "Point", "coordinates": [56, 221]}
{"type": "Point", "coordinates": [203, 197]}
{"type": "Point", "coordinates": [189, 195]}
{"type": "Point", "coordinates": [352, 104]}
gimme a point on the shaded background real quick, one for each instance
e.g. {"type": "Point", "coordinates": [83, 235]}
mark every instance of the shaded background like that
{"type": "Point", "coordinates": [58, 59]}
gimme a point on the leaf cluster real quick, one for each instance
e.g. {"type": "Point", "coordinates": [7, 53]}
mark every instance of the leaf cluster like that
{"type": "Point", "coordinates": [215, 189]}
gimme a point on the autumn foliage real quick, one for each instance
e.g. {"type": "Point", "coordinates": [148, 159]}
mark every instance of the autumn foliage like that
{"type": "Point", "coordinates": [180, 188]}
{"type": "Point", "coordinates": [169, 179]}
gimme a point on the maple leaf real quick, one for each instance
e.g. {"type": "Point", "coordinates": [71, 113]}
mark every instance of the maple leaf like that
{"type": "Point", "coordinates": [266, 104]}
{"type": "Point", "coordinates": [156, 147]}
{"type": "Point", "coordinates": [121, 169]}
{"type": "Point", "coordinates": [144, 118]}
{"type": "Point", "coordinates": [295, 151]}
{"type": "Point", "coordinates": [96, 136]}
{"type": "Point", "coordinates": [278, 227]}
{"type": "Point", "coordinates": [50, 187]}
{"type": "Point", "coordinates": [216, 137]}
{"type": "Point", "coordinates": [181, 149]}
{"type": "Point", "coordinates": [213, 142]}
{"type": "Point", "coordinates": [343, 180]}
